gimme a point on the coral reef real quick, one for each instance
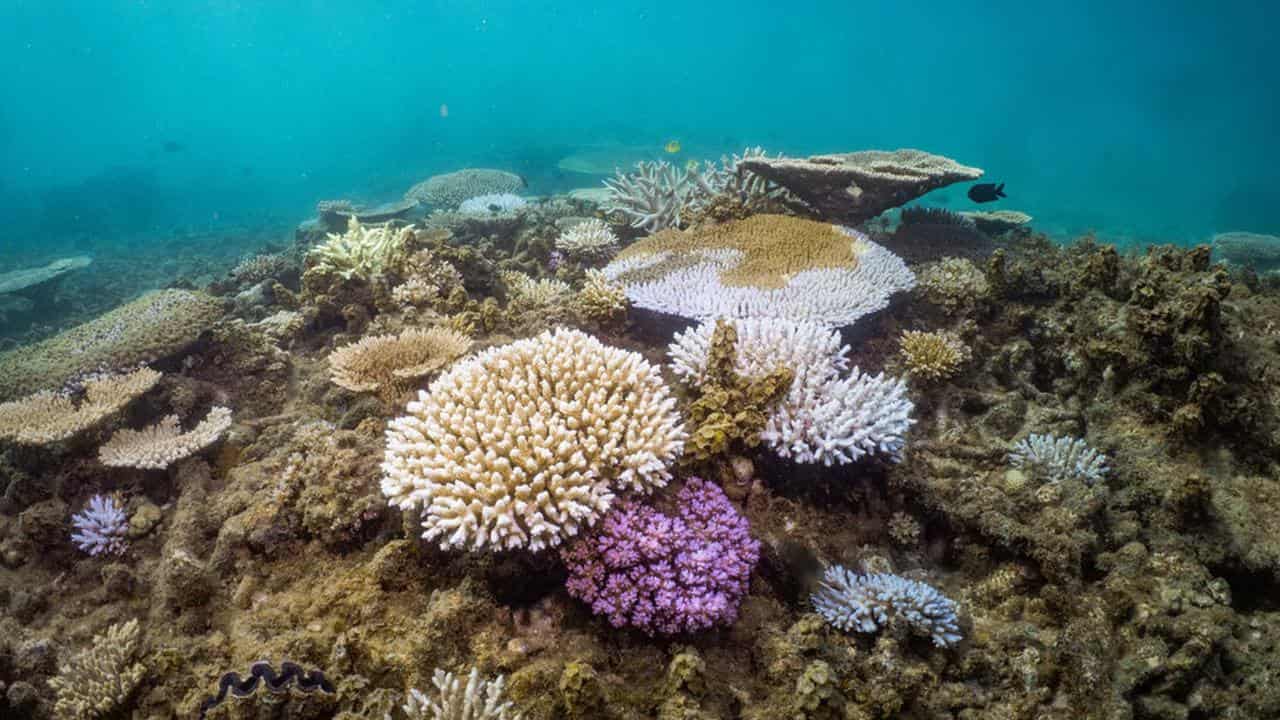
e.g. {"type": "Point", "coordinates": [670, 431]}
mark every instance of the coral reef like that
{"type": "Point", "coordinates": [100, 527]}
{"type": "Point", "coordinates": [857, 186]}
{"type": "Point", "coordinates": [600, 300]}
{"type": "Point", "coordinates": [930, 233]}
{"type": "Point", "coordinates": [493, 203]}
{"type": "Point", "coordinates": [666, 574]}
{"type": "Point", "coordinates": [997, 222]}
{"type": "Point", "coordinates": [49, 417]}
{"type": "Point", "coordinates": [29, 278]}
{"type": "Point", "coordinates": [1058, 459]}
{"type": "Point", "coordinates": [450, 190]}
{"type": "Point", "coordinates": [956, 285]}
{"type": "Point", "coordinates": [501, 460]}
{"type": "Point", "coordinates": [1253, 250]}
{"type": "Point", "coordinates": [764, 266]}
{"type": "Point", "coordinates": [588, 241]}
{"type": "Point", "coordinates": [98, 680]}
{"type": "Point", "coordinates": [932, 355]}
{"type": "Point", "coordinates": [360, 252]}
{"type": "Point", "coordinates": [869, 602]}
{"type": "Point", "coordinates": [479, 699]}
{"type": "Point", "coordinates": [391, 364]}
{"type": "Point", "coordinates": [163, 444]}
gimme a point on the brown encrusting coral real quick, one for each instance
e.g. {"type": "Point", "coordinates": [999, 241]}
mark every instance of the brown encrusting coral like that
{"type": "Point", "coordinates": [1132, 575]}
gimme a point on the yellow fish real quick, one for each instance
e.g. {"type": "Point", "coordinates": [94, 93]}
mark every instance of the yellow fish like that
{"type": "Point", "coordinates": [672, 146]}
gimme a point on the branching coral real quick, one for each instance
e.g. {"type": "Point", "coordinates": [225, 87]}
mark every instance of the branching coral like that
{"type": "Point", "coordinates": [451, 189]}
{"type": "Point", "coordinates": [600, 300]}
{"type": "Point", "coordinates": [390, 364]}
{"type": "Point", "coordinates": [1059, 458]}
{"type": "Point", "coordinates": [48, 417]}
{"type": "Point", "coordinates": [479, 699]}
{"type": "Point", "coordinates": [99, 679]}
{"type": "Point", "coordinates": [525, 444]}
{"type": "Point", "coordinates": [100, 527]}
{"type": "Point", "coordinates": [161, 445]}
{"type": "Point", "coordinates": [666, 574]}
{"type": "Point", "coordinates": [867, 603]}
{"type": "Point", "coordinates": [589, 241]}
{"type": "Point", "coordinates": [364, 252]}
{"type": "Point", "coordinates": [765, 266]}
{"type": "Point", "coordinates": [932, 355]}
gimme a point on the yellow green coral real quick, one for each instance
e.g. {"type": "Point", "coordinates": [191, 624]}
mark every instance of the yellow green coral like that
{"type": "Point", "coordinates": [361, 251]}
{"type": "Point", "coordinates": [932, 355]}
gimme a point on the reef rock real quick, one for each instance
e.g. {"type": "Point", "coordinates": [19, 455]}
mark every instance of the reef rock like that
{"type": "Point", "coordinates": [857, 186]}
{"type": "Point", "coordinates": [1260, 252]}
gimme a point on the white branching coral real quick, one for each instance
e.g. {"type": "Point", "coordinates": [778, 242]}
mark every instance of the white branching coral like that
{"type": "Point", "coordinates": [867, 602]}
{"type": "Point", "coordinates": [589, 240]}
{"type": "Point", "coordinates": [360, 251]}
{"type": "Point", "coordinates": [764, 266]}
{"type": "Point", "coordinates": [826, 416]}
{"type": "Point", "coordinates": [161, 445]}
{"type": "Point", "coordinates": [478, 699]}
{"type": "Point", "coordinates": [1059, 458]}
{"type": "Point", "coordinates": [388, 364]}
{"type": "Point", "coordinates": [98, 679]}
{"type": "Point", "coordinates": [523, 445]}
{"type": "Point", "coordinates": [48, 416]}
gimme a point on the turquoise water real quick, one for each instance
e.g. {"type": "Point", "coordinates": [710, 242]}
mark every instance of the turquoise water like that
{"type": "Point", "coordinates": [1143, 124]}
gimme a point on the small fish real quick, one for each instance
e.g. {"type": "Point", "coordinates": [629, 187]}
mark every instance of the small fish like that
{"type": "Point", "coordinates": [444, 110]}
{"type": "Point", "coordinates": [672, 146]}
{"type": "Point", "coordinates": [986, 192]}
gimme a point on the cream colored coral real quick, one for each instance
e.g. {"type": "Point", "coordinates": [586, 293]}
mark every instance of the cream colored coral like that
{"type": "Point", "coordinates": [479, 699]}
{"type": "Point", "coordinates": [48, 417]}
{"type": "Point", "coordinates": [389, 363]}
{"type": "Point", "coordinates": [362, 251]}
{"type": "Point", "coordinates": [526, 294]}
{"type": "Point", "coordinates": [933, 355]}
{"type": "Point", "coordinates": [591, 239]}
{"type": "Point", "coordinates": [955, 284]}
{"type": "Point", "coordinates": [160, 445]}
{"type": "Point", "coordinates": [523, 445]}
{"type": "Point", "coordinates": [98, 679]}
{"type": "Point", "coordinates": [599, 299]}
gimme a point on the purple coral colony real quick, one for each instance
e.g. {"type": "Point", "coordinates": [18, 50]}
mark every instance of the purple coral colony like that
{"type": "Point", "coordinates": [462, 479]}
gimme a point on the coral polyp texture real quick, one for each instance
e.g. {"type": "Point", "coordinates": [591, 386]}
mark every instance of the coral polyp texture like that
{"type": "Point", "coordinates": [478, 699]}
{"type": "Point", "coordinates": [764, 266]}
{"type": "Point", "coordinates": [932, 355]}
{"type": "Point", "coordinates": [857, 186]}
{"type": "Point", "coordinates": [161, 445]}
{"type": "Point", "coordinates": [96, 681]}
{"type": "Point", "coordinates": [866, 603]}
{"type": "Point", "coordinates": [666, 574]}
{"type": "Point", "coordinates": [101, 527]}
{"type": "Point", "coordinates": [362, 251]}
{"type": "Point", "coordinates": [155, 326]}
{"type": "Point", "coordinates": [599, 299]}
{"type": "Point", "coordinates": [492, 204]}
{"type": "Point", "coordinates": [448, 191]}
{"type": "Point", "coordinates": [826, 416]}
{"type": "Point", "coordinates": [592, 239]}
{"type": "Point", "coordinates": [525, 444]}
{"type": "Point", "coordinates": [390, 364]}
{"type": "Point", "coordinates": [1056, 459]}
{"type": "Point", "coordinates": [49, 416]}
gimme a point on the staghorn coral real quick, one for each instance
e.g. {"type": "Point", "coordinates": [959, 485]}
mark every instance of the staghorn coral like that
{"type": "Point", "coordinates": [1057, 459]}
{"type": "Point", "coordinates": [154, 326]}
{"type": "Point", "coordinates": [588, 241]}
{"type": "Point", "coordinates": [522, 445]}
{"type": "Point", "coordinates": [932, 355]}
{"type": "Point", "coordinates": [956, 285]}
{"type": "Point", "coordinates": [100, 527]}
{"type": "Point", "coordinates": [49, 417]}
{"type": "Point", "coordinates": [492, 204]}
{"type": "Point", "coordinates": [161, 445]}
{"type": "Point", "coordinates": [449, 190]}
{"type": "Point", "coordinates": [666, 574]}
{"type": "Point", "coordinates": [821, 416]}
{"type": "Point", "coordinates": [600, 300]}
{"type": "Point", "coordinates": [479, 699]}
{"type": "Point", "coordinates": [868, 602]}
{"type": "Point", "coordinates": [99, 679]}
{"type": "Point", "coordinates": [763, 266]}
{"type": "Point", "coordinates": [391, 364]}
{"type": "Point", "coordinates": [364, 252]}
{"type": "Point", "coordinates": [855, 187]}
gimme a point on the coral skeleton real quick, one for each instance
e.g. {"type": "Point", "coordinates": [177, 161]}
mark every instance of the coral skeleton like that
{"type": "Point", "coordinates": [523, 445]}
{"type": "Point", "coordinates": [99, 679]}
{"type": "Point", "coordinates": [479, 699]}
{"type": "Point", "coordinates": [866, 603]}
{"type": "Point", "coordinates": [1057, 459]}
{"type": "Point", "coordinates": [100, 527]}
{"type": "Point", "coordinates": [161, 445]}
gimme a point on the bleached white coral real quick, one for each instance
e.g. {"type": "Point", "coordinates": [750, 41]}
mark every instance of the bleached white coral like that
{"type": "Point", "coordinates": [98, 679]}
{"type": "Point", "coordinates": [833, 296]}
{"type": "Point", "coordinates": [492, 204]}
{"type": "Point", "coordinates": [479, 699]}
{"type": "Point", "coordinates": [826, 416]}
{"type": "Point", "coordinates": [866, 603]}
{"type": "Point", "coordinates": [160, 445]}
{"type": "Point", "coordinates": [1059, 458]}
{"type": "Point", "coordinates": [590, 239]}
{"type": "Point", "coordinates": [523, 445]}
{"type": "Point", "coordinates": [360, 251]}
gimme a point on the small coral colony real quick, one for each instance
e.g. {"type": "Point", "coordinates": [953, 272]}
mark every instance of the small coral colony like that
{"type": "Point", "coordinates": [734, 439]}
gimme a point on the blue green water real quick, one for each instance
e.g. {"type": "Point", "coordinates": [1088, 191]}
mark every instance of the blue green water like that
{"type": "Point", "coordinates": [1140, 122]}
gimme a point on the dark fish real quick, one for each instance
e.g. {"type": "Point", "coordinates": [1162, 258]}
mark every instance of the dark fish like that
{"type": "Point", "coordinates": [986, 192]}
{"type": "Point", "coordinates": [171, 146]}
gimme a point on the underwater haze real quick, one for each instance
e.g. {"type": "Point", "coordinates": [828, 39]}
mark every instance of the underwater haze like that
{"type": "Point", "coordinates": [1140, 122]}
